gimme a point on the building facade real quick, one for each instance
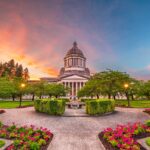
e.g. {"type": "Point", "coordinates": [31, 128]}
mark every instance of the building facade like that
{"type": "Point", "coordinates": [74, 74]}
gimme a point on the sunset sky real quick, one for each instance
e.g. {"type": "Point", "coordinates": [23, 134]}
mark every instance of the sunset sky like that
{"type": "Point", "coordinates": [112, 34]}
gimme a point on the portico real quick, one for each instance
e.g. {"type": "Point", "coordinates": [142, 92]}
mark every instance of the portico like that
{"type": "Point", "coordinates": [74, 84]}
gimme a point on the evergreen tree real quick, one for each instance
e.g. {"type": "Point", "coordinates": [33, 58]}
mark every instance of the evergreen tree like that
{"type": "Point", "coordinates": [11, 70]}
{"type": "Point", "coordinates": [26, 74]}
{"type": "Point", "coordinates": [19, 71]}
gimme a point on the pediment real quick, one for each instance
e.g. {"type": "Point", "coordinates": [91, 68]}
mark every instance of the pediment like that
{"type": "Point", "coordinates": [75, 77]}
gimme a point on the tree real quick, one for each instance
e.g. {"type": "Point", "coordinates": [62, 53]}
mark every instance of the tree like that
{"type": "Point", "coordinates": [33, 88]}
{"type": "Point", "coordinates": [91, 89]}
{"type": "Point", "coordinates": [20, 86]}
{"type": "Point", "coordinates": [144, 90]}
{"type": "Point", "coordinates": [12, 70]}
{"type": "Point", "coordinates": [40, 88]}
{"type": "Point", "coordinates": [26, 74]}
{"type": "Point", "coordinates": [6, 88]}
{"type": "Point", "coordinates": [19, 71]}
{"type": "Point", "coordinates": [109, 82]}
{"type": "Point", "coordinates": [55, 90]}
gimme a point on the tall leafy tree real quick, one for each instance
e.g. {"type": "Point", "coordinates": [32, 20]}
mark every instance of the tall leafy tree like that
{"type": "Point", "coordinates": [6, 88]}
{"type": "Point", "coordinates": [55, 90]}
{"type": "Point", "coordinates": [107, 83]}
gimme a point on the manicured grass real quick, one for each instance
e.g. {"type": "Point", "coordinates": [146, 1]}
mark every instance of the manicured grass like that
{"type": "Point", "coordinates": [135, 103]}
{"type": "Point", "coordinates": [11, 104]}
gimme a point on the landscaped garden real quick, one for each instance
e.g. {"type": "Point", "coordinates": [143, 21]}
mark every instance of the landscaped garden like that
{"type": "Point", "coordinates": [25, 137]}
{"type": "Point", "coordinates": [124, 137]}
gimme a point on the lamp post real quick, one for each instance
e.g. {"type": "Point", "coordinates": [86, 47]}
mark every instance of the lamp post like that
{"type": "Point", "coordinates": [126, 86]}
{"type": "Point", "coordinates": [22, 86]}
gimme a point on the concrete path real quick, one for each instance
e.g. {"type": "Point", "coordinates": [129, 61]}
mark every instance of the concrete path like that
{"type": "Point", "coordinates": [73, 133]}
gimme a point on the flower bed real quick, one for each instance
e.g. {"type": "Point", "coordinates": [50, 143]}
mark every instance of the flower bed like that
{"type": "Point", "coordinates": [124, 137]}
{"type": "Point", "coordinates": [26, 138]}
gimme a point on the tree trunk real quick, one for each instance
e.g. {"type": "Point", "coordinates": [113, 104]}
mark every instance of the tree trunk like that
{"type": "Point", "coordinates": [13, 98]}
{"type": "Point", "coordinates": [33, 96]}
{"type": "Point", "coordinates": [20, 100]}
{"type": "Point", "coordinates": [109, 96]}
{"type": "Point", "coordinates": [114, 96]}
{"type": "Point", "coordinates": [128, 98]}
{"type": "Point", "coordinates": [97, 96]}
{"type": "Point", "coordinates": [132, 96]}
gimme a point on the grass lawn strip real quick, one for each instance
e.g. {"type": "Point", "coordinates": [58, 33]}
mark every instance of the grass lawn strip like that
{"type": "Point", "coordinates": [134, 103]}
{"type": "Point", "coordinates": [14, 104]}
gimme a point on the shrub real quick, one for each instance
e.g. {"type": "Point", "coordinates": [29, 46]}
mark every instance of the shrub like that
{"type": "Point", "coordinates": [2, 143]}
{"type": "Point", "coordinates": [96, 107]}
{"type": "Point", "coordinates": [86, 99]}
{"type": "Point", "coordinates": [65, 99]}
{"type": "Point", "coordinates": [148, 141]}
{"type": "Point", "coordinates": [37, 104]}
{"type": "Point", "coordinates": [148, 123]}
{"type": "Point", "coordinates": [52, 107]}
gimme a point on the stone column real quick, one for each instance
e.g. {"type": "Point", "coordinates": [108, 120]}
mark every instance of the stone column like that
{"type": "Point", "coordinates": [76, 88]}
{"type": "Point", "coordinates": [72, 88]}
{"type": "Point", "coordinates": [83, 84]}
{"type": "Point", "coordinates": [79, 85]}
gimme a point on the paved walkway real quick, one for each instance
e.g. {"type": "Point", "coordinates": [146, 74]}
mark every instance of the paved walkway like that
{"type": "Point", "coordinates": [73, 133]}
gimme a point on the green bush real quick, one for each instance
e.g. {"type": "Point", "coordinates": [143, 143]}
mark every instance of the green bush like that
{"type": "Point", "coordinates": [148, 141]}
{"type": "Point", "coordinates": [97, 107]}
{"type": "Point", "coordinates": [2, 143]}
{"type": "Point", "coordinates": [65, 99]}
{"type": "Point", "coordinates": [148, 123]}
{"type": "Point", "coordinates": [86, 99]}
{"type": "Point", "coordinates": [52, 107]}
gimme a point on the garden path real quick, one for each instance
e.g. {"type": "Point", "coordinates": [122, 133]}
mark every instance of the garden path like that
{"type": "Point", "coordinates": [73, 133]}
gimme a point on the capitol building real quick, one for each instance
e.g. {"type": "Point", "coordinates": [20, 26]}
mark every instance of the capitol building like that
{"type": "Point", "coordinates": [74, 74]}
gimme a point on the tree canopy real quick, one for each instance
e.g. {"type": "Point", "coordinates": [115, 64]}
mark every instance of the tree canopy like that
{"type": "Point", "coordinates": [11, 69]}
{"type": "Point", "coordinates": [107, 83]}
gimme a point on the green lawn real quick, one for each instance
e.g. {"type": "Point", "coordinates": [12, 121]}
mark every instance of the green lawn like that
{"type": "Point", "coordinates": [135, 103]}
{"type": "Point", "coordinates": [11, 104]}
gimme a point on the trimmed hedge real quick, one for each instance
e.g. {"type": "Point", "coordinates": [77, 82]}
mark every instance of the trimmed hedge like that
{"type": "Point", "coordinates": [98, 107]}
{"type": "Point", "coordinates": [65, 99]}
{"type": "Point", "coordinates": [86, 99]}
{"type": "Point", "coordinates": [52, 107]}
